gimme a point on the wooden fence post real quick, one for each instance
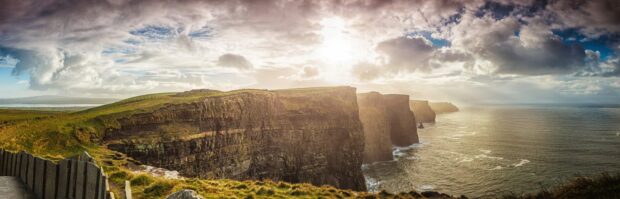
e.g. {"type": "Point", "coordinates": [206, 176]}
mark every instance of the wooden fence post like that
{"type": "Point", "coordinates": [1, 161]}
{"type": "Point", "coordinates": [127, 190]}
{"type": "Point", "coordinates": [51, 182]}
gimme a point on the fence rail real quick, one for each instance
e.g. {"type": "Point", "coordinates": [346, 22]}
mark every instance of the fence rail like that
{"type": "Point", "coordinates": [74, 178]}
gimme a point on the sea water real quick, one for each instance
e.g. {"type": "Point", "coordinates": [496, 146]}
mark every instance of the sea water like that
{"type": "Point", "coordinates": [487, 151]}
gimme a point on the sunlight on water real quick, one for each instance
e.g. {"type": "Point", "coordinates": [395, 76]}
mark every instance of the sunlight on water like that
{"type": "Point", "coordinates": [491, 151]}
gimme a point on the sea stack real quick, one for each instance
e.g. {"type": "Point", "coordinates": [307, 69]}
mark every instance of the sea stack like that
{"type": "Point", "coordinates": [311, 135]}
{"type": "Point", "coordinates": [376, 124]}
{"type": "Point", "coordinates": [422, 111]}
{"type": "Point", "coordinates": [403, 129]}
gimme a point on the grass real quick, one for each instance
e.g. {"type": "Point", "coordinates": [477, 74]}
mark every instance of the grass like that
{"type": "Point", "coordinates": [604, 185]}
{"type": "Point", "coordinates": [14, 115]}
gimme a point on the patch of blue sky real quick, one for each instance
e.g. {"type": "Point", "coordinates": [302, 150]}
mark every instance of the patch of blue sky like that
{"type": "Point", "coordinates": [8, 78]}
{"type": "Point", "coordinates": [120, 60]}
{"type": "Point", "coordinates": [602, 44]}
{"type": "Point", "coordinates": [112, 51]}
{"type": "Point", "coordinates": [8, 61]}
{"type": "Point", "coordinates": [496, 10]}
{"type": "Point", "coordinates": [437, 42]}
{"type": "Point", "coordinates": [134, 42]}
{"type": "Point", "coordinates": [204, 32]}
{"type": "Point", "coordinates": [155, 32]}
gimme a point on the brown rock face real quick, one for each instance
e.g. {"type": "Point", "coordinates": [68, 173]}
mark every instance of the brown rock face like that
{"type": "Point", "coordinates": [374, 118]}
{"type": "Point", "coordinates": [302, 135]}
{"type": "Point", "coordinates": [402, 121]}
{"type": "Point", "coordinates": [422, 111]}
{"type": "Point", "coordinates": [443, 107]}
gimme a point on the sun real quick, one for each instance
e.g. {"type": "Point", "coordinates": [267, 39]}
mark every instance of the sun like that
{"type": "Point", "coordinates": [336, 48]}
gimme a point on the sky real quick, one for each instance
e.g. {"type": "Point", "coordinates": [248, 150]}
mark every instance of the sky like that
{"type": "Point", "coordinates": [476, 51]}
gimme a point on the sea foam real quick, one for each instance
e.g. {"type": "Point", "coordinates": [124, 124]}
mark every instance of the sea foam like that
{"type": "Point", "coordinates": [521, 163]}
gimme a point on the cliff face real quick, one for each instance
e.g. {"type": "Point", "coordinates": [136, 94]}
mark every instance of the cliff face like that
{"type": "Point", "coordinates": [422, 111]}
{"type": "Point", "coordinates": [374, 117]}
{"type": "Point", "coordinates": [303, 135]}
{"type": "Point", "coordinates": [443, 107]}
{"type": "Point", "coordinates": [402, 121]}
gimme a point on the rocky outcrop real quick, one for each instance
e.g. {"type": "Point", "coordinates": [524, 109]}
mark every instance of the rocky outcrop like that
{"type": "Point", "coordinates": [300, 135]}
{"type": "Point", "coordinates": [443, 107]}
{"type": "Point", "coordinates": [374, 118]}
{"type": "Point", "coordinates": [422, 111]}
{"type": "Point", "coordinates": [403, 131]}
{"type": "Point", "coordinates": [185, 194]}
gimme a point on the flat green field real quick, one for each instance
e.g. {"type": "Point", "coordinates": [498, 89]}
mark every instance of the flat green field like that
{"type": "Point", "coordinates": [11, 115]}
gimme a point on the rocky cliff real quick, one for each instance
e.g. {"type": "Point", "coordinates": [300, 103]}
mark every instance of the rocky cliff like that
{"type": "Point", "coordinates": [443, 107]}
{"type": "Point", "coordinates": [403, 130]}
{"type": "Point", "coordinates": [374, 117]}
{"type": "Point", "coordinates": [422, 111]}
{"type": "Point", "coordinates": [300, 135]}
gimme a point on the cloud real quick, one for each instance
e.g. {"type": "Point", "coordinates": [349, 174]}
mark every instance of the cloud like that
{"type": "Point", "coordinates": [594, 18]}
{"type": "Point", "coordinates": [510, 47]}
{"type": "Point", "coordinates": [367, 71]}
{"type": "Point", "coordinates": [310, 72]}
{"type": "Point", "coordinates": [234, 61]}
{"type": "Point", "coordinates": [407, 53]}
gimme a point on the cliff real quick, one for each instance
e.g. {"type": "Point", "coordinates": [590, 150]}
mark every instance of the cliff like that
{"type": "Point", "coordinates": [443, 107]}
{"type": "Point", "coordinates": [403, 130]}
{"type": "Point", "coordinates": [300, 135]}
{"type": "Point", "coordinates": [374, 117]}
{"type": "Point", "coordinates": [422, 111]}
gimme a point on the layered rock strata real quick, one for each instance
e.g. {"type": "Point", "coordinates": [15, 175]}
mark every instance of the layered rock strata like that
{"type": "Point", "coordinates": [374, 118]}
{"type": "Point", "coordinates": [309, 135]}
{"type": "Point", "coordinates": [422, 111]}
{"type": "Point", "coordinates": [402, 121]}
{"type": "Point", "coordinates": [387, 121]}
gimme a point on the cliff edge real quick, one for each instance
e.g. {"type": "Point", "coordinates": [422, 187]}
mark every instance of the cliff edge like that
{"type": "Point", "coordinates": [422, 111]}
{"type": "Point", "coordinates": [402, 121]}
{"type": "Point", "coordinates": [374, 117]}
{"type": "Point", "coordinates": [443, 107]}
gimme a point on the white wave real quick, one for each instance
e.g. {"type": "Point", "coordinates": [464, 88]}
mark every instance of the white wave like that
{"type": "Point", "coordinates": [481, 156]}
{"type": "Point", "coordinates": [372, 184]}
{"type": "Point", "coordinates": [426, 187]}
{"type": "Point", "coordinates": [466, 160]}
{"type": "Point", "coordinates": [412, 158]}
{"type": "Point", "coordinates": [399, 152]}
{"type": "Point", "coordinates": [406, 148]}
{"type": "Point", "coordinates": [521, 163]}
{"type": "Point", "coordinates": [484, 151]}
{"type": "Point", "coordinates": [618, 134]}
{"type": "Point", "coordinates": [496, 168]}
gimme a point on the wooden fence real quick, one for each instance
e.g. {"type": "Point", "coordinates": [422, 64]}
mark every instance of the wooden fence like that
{"type": "Point", "coordinates": [74, 178]}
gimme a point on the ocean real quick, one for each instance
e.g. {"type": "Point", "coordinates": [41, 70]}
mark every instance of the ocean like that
{"type": "Point", "coordinates": [495, 150]}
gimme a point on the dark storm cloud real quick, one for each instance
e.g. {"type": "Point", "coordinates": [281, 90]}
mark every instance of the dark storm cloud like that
{"type": "Point", "coordinates": [593, 17]}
